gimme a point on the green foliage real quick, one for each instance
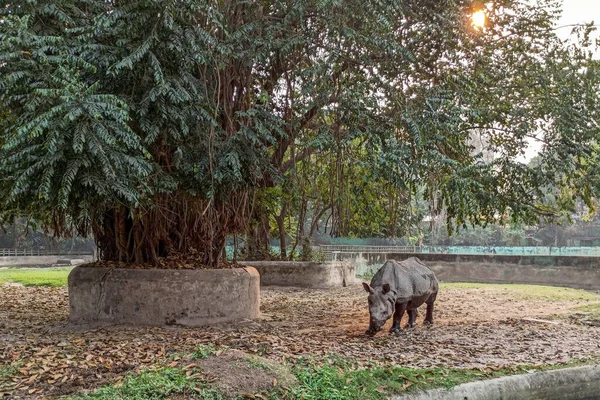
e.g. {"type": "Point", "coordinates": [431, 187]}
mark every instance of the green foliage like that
{"type": "Point", "coordinates": [63, 134]}
{"type": "Point", "coordinates": [306, 251]}
{"type": "Point", "coordinates": [114, 112]}
{"type": "Point", "coordinates": [513, 236]}
{"type": "Point", "coordinates": [319, 257]}
{"type": "Point", "coordinates": [500, 88]}
{"type": "Point", "coordinates": [204, 350]}
{"type": "Point", "coordinates": [54, 277]}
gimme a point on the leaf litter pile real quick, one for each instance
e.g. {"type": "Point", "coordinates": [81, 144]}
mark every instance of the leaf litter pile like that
{"type": "Point", "coordinates": [40, 354]}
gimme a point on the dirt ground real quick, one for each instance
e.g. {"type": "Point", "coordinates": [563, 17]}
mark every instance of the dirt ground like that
{"type": "Point", "coordinates": [474, 327]}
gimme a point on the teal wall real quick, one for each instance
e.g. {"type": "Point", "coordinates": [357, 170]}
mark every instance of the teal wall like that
{"type": "Point", "coordinates": [522, 250]}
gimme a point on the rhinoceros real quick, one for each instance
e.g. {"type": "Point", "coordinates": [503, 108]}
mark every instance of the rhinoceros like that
{"type": "Point", "coordinates": [398, 287]}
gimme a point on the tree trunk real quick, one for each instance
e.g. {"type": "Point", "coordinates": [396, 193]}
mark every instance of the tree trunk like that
{"type": "Point", "coordinates": [174, 225]}
{"type": "Point", "coordinates": [315, 222]}
{"type": "Point", "coordinates": [15, 235]}
{"type": "Point", "coordinates": [258, 233]}
{"type": "Point", "coordinates": [300, 225]}
{"type": "Point", "coordinates": [281, 228]}
{"type": "Point", "coordinates": [235, 248]}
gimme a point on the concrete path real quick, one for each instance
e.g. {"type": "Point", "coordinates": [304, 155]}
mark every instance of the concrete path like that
{"type": "Point", "coordinates": [579, 383]}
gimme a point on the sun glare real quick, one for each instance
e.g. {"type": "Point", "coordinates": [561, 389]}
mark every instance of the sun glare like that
{"type": "Point", "coordinates": [478, 18]}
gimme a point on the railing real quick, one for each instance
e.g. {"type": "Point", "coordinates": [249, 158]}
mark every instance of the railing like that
{"type": "Point", "coordinates": [42, 252]}
{"type": "Point", "coordinates": [331, 250]}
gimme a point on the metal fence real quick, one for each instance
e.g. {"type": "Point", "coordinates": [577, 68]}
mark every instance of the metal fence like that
{"type": "Point", "coordinates": [41, 252]}
{"type": "Point", "coordinates": [331, 250]}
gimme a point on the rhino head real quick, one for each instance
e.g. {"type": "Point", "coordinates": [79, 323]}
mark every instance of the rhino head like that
{"type": "Point", "coordinates": [381, 306]}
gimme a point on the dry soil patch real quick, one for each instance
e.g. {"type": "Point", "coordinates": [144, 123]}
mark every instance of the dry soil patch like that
{"type": "Point", "coordinates": [473, 328]}
{"type": "Point", "coordinates": [237, 373]}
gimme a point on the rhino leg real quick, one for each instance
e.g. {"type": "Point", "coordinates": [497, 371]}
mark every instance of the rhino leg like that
{"type": "Point", "coordinates": [429, 315]}
{"type": "Point", "coordinates": [412, 316]}
{"type": "Point", "coordinates": [400, 308]}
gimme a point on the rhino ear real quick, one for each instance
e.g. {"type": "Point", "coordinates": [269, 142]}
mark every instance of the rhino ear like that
{"type": "Point", "coordinates": [367, 287]}
{"type": "Point", "coordinates": [386, 288]}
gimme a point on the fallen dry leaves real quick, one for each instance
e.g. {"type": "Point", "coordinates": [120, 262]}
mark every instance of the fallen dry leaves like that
{"type": "Point", "coordinates": [473, 329]}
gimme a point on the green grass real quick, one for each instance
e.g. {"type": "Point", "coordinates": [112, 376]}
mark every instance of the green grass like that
{"type": "Point", "coordinates": [591, 310]}
{"type": "Point", "coordinates": [256, 363]}
{"type": "Point", "coordinates": [335, 382]}
{"type": "Point", "coordinates": [339, 380]}
{"type": "Point", "coordinates": [6, 371]}
{"type": "Point", "coordinates": [520, 291]}
{"type": "Point", "coordinates": [529, 292]}
{"type": "Point", "coordinates": [333, 378]}
{"type": "Point", "coordinates": [204, 350]}
{"type": "Point", "coordinates": [159, 384]}
{"type": "Point", "coordinates": [35, 276]}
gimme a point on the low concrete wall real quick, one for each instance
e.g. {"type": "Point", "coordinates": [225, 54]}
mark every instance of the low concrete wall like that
{"type": "Point", "coordinates": [575, 272]}
{"type": "Point", "coordinates": [162, 297]}
{"type": "Point", "coordinates": [304, 274]}
{"type": "Point", "coordinates": [40, 260]}
{"type": "Point", "coordinates": [580, 383]}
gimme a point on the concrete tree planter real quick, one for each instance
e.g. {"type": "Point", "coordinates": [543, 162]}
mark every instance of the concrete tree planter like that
{"type": "Point", "coordinates": [304, 274]}
{"type": "Point", "coordinates": [157, 297]}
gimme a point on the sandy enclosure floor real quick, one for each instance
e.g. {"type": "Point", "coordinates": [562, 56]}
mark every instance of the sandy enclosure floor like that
{"type": "Point", "coordinates": [474, 327]}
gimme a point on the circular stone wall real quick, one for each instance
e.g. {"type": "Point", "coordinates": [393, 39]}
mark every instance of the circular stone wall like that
{"type": "Point", "coordinates": [163, 297]}
{"type": "Point", "coordinates": [304, 274]}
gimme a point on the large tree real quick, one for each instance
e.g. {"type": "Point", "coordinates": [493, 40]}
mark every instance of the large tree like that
{"type": "Point", "coordinates": [154, 124]}
{"type": "Point", "coordinates": [500, 87]}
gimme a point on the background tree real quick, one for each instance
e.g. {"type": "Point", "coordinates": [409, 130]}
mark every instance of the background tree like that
{"type": "Point", "coordinates": [519, 54]}
{"type": "Point", "coordinates": [159, 126]}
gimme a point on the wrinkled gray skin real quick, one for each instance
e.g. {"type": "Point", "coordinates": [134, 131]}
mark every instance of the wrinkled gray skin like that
{"type": "Point", "coordinates": [398, 287]}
